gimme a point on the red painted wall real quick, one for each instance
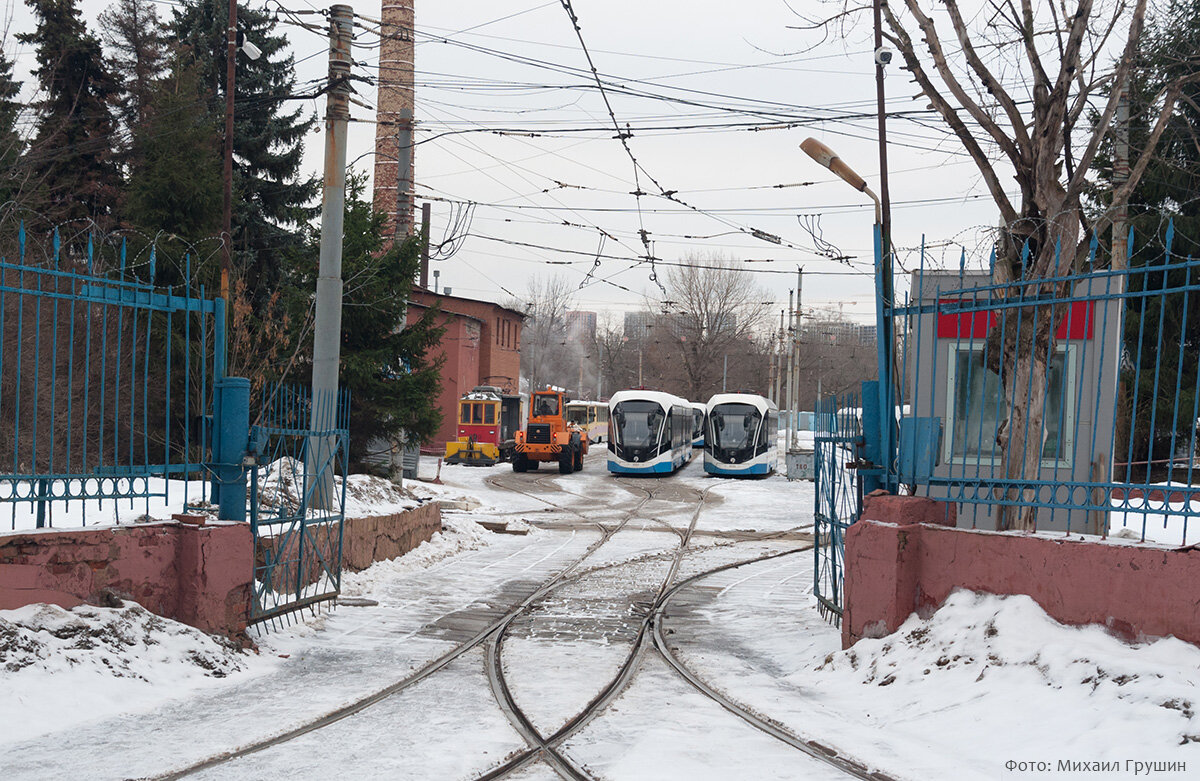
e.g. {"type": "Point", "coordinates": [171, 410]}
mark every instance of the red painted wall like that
{"type": "Point", "coordinates": [482, 345]}
{"type": "Point", "coordinates": [200, 576]}
{"type": "Point", "coordinates": [893, 570]}
{"type": "Point", "coordinates": [197, 575]}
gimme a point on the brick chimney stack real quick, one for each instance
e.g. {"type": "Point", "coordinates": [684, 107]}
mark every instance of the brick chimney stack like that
{"type": "Point", "coordinates": [394, 115]}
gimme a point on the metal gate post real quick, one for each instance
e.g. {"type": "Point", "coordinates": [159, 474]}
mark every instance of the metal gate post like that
{"type": "Point", "coordinates": [233, 429]}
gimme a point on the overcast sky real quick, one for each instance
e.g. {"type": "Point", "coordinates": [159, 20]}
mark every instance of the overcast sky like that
{"type": "Point", "coordinates": [758, 89]}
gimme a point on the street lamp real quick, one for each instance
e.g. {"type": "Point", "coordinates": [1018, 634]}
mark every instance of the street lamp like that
{"type": "Point", "coordinates": [888, 386]}
{"type": "Point", "coordinates": [829, 159]}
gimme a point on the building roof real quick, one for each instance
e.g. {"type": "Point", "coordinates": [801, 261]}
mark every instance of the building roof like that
{"type": "Point", "coordinates": [451, 298]}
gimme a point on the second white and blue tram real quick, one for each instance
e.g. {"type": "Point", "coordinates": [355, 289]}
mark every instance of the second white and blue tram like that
{"type": "Point", "coordinates": [699, 413]}
{"type": "Point", "coordinates": [740, 438]}
{"type": "Point", "coordinates": [650, 432]}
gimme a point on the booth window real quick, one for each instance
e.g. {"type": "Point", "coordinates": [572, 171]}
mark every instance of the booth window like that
{"type": "Point", "coordinates": [976, 407]}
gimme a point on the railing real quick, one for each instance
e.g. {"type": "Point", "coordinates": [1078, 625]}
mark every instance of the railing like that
{"type": "Point", "coordinates": [1105, 441]}
{"type": "Point", "coordinates": [297, 502]}
{"type": "Point", "coordinates": [837, 436]}
{"type": "Point", "coordinates": [105, 383]}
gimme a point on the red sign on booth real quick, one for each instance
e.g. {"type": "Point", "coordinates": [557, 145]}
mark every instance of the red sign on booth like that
{"type": "Point", "coordinates": [1078, 322]}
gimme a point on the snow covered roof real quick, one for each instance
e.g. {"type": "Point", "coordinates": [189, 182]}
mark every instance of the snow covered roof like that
{"type": "Point", "coordinates": [664, 400]}
{"type": "Point", "coordinates": [761, 403]}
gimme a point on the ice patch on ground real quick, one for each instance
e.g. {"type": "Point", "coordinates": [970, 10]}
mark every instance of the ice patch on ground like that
{"type": "Point", "coordinates": [62, 667]}
{"type": "Point", "coordinates": [977, 643]}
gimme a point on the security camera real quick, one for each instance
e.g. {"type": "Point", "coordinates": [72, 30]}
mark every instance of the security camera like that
{"type": "Point", "coordinates": [243, 43]}
{"type": "Point", "coordinates": [883, 55]}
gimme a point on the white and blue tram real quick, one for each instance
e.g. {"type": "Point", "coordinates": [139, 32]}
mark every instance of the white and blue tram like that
{"type": "Point", "coordinates": [699, 415]}
{"type": "Point", "coordinates": [740, 438]}
{"type": "Point", "coordinates": [650, 432]}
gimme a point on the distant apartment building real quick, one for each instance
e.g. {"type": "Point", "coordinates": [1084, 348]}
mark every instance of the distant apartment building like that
{"type": "Point", "coordinates": [638, 323]}
{"type": "Point", "coordinates": [581, 326]}
{"type": "Point", "coordinates": [835, 332]}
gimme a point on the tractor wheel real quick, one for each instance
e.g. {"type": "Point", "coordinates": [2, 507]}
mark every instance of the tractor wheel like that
{"type": "Point", "coordinates": [578, 459]}
{"type": "Point", "coordinates": [566, 462]}
{"type": "Point", "coordinates": [519, 462]}
{"type": "Point", "coordinates": [533, 465]}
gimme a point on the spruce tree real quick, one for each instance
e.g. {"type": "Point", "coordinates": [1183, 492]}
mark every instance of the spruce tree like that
{"type": "Point", "coordinates": [71, 157]}
{"type": "Point", "coordinates": [387, 367]}
{"type": "Point", "coordinates": [139, 58]}
{"type": "Point", "coordinates": [174, 191]}
{"type": "Point", "coordinates": [11, 143]}
{"type": "Point", "coordinates": [272, 199]}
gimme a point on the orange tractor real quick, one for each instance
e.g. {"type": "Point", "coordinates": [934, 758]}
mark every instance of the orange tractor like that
{"type": "Point", "coordinates": [549, 437]}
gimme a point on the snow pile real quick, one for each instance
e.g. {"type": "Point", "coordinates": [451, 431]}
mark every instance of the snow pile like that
{"type": "Point", "coordinates": [281, 483]}
{"type": "Point", "coordinates": [371, 495]}
{"type": "Point", "coordinates": [62, 667]}
{"type": "Point", "coordinates": [1003, 651]}
{"type": "Point", "coordinates": [458, 535]}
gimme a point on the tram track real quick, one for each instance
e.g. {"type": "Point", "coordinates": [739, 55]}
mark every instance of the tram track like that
{"type": "Point", "coordinates": [764, 724]}
{"type": "Point", "coordinates": [546, 747]}
{"type": "Point", "coordinates": [424, 672]}
{"type": "Point", "coordinates": [570, 572]}
{"type": "Point", "coordinates": [541, 748]}
{"type": "Point", "coordinates": [650, 633]}
{"type": "Point", "coordinates": [650, 636]}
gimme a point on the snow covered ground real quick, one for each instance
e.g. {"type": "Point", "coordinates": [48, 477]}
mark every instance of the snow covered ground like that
{"type": "Point", "coordinates": [117, 693]}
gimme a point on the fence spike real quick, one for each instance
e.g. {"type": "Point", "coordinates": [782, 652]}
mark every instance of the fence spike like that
{"type": "Point", "coordinates": [962, 263]}
{"type": "Point", "coordinates": [21, 242]}
{"type": "Point", "coordinates": [1170, 238]}
{"type": "Point", "coordinates": [123, 257]}
{"type": "Point", "coordinates": [153, 261]}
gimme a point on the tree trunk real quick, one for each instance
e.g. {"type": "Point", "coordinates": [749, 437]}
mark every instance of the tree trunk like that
{"type": "Point", "coordinates": [1022, 435]}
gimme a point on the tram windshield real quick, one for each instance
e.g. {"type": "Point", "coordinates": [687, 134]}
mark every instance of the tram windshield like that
{"type": "Point", "coordinates": [638, 423]}
{"type": "Point", "coordinates": [734, 426]}
{"type": "Point", "coordinates": [577, 414]}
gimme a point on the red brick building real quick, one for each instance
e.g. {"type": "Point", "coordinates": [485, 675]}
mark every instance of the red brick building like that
{"type": "Point", "coordinates": [482, 345]}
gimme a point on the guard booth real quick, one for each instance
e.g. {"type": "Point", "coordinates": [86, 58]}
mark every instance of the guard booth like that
{"type": "Point", "coordinates": [944, 354]}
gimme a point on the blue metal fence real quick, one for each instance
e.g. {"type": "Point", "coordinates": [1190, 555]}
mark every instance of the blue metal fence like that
{"type": "Point", "coordinates": [837, 443]}
{"type": "Point", "coordinates": [105, 380]}
{"type": "Point", "coordinates": [298, 500]}
{"type": "Point", "coordinates": [1106, 439]}
{"type": "Point", "coordinates": [1108, 444]}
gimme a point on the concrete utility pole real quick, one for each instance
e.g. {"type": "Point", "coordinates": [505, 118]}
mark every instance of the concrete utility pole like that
{"type": "Point", "coordinates": [791, 368]}
{"type": "Point", "coordinates": [404, 172]}
{"type": "Point", "coordinates": [227, 207]}
{"type": "Point", "coordinates": [327, 331]}
{"type": "Point", "coordinates": [794, 441]}
{"type": "Point", "coordinates": [779, 365]}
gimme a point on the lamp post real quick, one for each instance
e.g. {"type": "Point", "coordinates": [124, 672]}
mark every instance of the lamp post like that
{"type": "Point", "coordinates": [883, 305]}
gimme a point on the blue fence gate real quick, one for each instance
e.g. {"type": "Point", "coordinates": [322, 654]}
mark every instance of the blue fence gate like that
{"type": "Point", "coordinates": [837, 446]}
{"type": "Point", "coordinates": [298, 500]}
